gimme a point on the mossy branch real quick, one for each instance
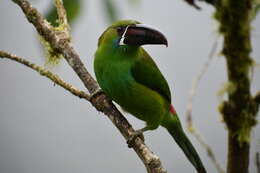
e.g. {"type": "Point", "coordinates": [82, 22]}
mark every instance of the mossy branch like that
{"type": "Point", "coordinates": [62, 15]}
{"type": "Point", "coordinates": [42, 71]}
{"type": "Point", "coordinates": [60, 42]}
{"type": "Point", "coordinates": [240, 109]}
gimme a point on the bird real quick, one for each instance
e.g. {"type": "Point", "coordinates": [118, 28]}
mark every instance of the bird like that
{"type": "Point", "coordinates": [127, 74]}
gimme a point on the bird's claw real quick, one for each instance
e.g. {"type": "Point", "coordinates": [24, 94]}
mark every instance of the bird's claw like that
{"type": "Point", "coordinates": [96, 93]}
{"type": "Point", "coordinates": [131, 139]}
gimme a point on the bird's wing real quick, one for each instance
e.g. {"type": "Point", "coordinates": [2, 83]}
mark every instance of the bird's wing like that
{"type": "Point", "coordinates": [147, 73]}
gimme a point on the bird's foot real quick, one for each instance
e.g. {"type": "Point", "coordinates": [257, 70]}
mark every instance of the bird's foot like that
{"type": "Point", "coordinates": [134, 135]}
{"type": "Point", "coordinates": [96, 93]}
{"type": "Point", "coordinates": [131, 139]}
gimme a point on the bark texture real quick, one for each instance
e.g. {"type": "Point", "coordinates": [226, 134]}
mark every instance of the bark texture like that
{"type": "Point", "coordinates": [240, 110]}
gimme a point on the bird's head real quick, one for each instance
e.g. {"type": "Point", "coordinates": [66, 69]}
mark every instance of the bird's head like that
{"type": "Point", "coordinates": [133, 33]}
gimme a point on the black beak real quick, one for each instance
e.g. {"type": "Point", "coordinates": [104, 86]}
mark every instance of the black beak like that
{"type": "Point", "coordinates": [140, 35]}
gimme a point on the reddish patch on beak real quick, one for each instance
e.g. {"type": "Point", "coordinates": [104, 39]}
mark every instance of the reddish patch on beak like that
{"type": "Point", "coordinates": [172, 110]}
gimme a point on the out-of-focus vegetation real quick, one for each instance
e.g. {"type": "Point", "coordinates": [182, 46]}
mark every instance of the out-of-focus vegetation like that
{"type": "Point", "coordinates": [73, 7]}
{"type": "Point", "coordinates": [256, 9]}
{"type": "Point", "coordinates": [110, 10]}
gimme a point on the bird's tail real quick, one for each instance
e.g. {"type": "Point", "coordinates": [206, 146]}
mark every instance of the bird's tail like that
{"type": "Point", "coordinates": [172, 123]}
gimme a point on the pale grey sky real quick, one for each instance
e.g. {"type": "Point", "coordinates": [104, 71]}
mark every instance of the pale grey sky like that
{"type": "Point", "coordinates": [44, 129]}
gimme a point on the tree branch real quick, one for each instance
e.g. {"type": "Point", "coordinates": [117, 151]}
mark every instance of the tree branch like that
{"type": "Point", "coordinates": [240, 109]}
{"type": "Point", "coordinates": [62, 16]}
{"type": "Point", "coordinates": [55, 78]}
{"type": "Point", "coordinates": [60, 42]}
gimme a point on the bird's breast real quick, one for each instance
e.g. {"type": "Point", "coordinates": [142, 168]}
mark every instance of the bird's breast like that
{"type": "Point", "coordinates": [116, 80]}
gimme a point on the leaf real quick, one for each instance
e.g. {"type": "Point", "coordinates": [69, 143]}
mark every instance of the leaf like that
{"type": "Point", "coordinates": [134, 2]}
{"type": "Point", "coordinates": [111, 10]}
{"type": "Point", "coordinates": [73, 10]}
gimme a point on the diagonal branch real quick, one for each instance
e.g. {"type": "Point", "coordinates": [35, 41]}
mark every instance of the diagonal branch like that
{"type": "Point", "coordinates": [195, 84]}
{"type": "Point", "coordinates": [209, 151]}
{"type": "Point", "coordinates": [60, 42]}
{"type": "Point", "coordinates": [55, 78]}
{"type": "Point", "coordinates": [62, 13]}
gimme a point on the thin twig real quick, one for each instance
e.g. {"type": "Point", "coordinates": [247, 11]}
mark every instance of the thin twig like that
{"type": "Point", "coordinates": [195, 84]}
{"type": "Point", "coordinates": [193, 91]}
{"type": "Point", "coordinates": [62, 15]}
{"type": "Point", "coordinates": [208, 150]}
{"type": "Point", "coordinates": [59, 42]}
{"type": "Point", "coordinates": [101, 102]}
{"type": "Point", "coordinates": [42, 71]}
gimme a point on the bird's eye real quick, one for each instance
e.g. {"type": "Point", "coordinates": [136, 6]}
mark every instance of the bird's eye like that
{"type": "Point", "coordinates": [120, 29]}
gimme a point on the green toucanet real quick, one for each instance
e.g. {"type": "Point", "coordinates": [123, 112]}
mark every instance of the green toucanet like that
{"type": "Point", "coordinates": [129, 76]}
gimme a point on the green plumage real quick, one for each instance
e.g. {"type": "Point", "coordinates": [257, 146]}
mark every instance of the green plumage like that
{"type": "Point", "coordinates": [129, 76]}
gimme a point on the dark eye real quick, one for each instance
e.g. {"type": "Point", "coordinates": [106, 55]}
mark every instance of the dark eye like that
{"type": "Point", "coordinates": [120, 30]}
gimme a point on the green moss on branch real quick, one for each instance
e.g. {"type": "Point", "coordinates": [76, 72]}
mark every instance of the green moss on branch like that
{"type": "Point", "coordinates": [240, 109]}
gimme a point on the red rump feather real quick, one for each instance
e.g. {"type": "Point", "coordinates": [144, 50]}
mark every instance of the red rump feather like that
{"type": "Point", "coordinates": [172, 110]}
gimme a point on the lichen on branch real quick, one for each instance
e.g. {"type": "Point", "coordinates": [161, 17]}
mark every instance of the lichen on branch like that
{"type": "Point", "coordinates": [240, 109]}
{"type": "Point", "coordinates": [234, 21]}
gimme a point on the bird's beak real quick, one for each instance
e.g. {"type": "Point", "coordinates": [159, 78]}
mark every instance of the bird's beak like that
{"type": "Point", "coordinates": [140, 34]}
